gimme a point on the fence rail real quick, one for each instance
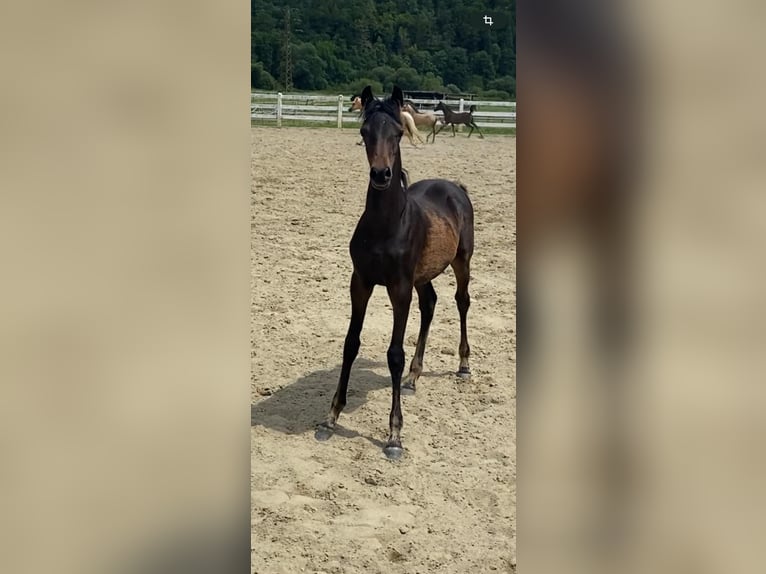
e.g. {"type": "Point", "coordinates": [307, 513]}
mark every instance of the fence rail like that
{"type": "Point", "coordinates": [334, 109]}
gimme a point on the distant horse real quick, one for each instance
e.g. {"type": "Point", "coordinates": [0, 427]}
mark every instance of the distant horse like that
{"type": "Point", "coordinates": [408, 123]}
{"type": "Point", "coordinates": [452, 117]}
{"type": "Point", "coordinates": [356, 106]}
{"type": "Point", "coordinates": [423, 118]}
{"type": "Point", "coordinates": [403, 240]}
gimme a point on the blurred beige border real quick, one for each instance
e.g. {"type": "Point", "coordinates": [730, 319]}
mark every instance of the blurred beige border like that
{"type": "Point", "coordinates": [684, 490]}
{"type": "Point", "coordinates": [124, 156]}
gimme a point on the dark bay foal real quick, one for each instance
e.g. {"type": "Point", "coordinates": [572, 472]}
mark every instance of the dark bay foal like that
{"type": "Point", "coordinates": [452, 117]}
{"type": "Point", "coordinates": [404, 239]}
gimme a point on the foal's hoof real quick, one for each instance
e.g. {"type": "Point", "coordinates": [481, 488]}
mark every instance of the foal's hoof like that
{"type": "Point", "coordinates": [323, 432]}
{"type": "Point", "coordinates": [393, 452]}
{"type": "Point", "coordinates": [408, 388]}
{"type": "Point", "coordinates": [464, 373]}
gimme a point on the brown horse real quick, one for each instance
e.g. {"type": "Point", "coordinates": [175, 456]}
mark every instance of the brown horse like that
{"type": "Point", "coordinates": [423, 118]}
{"type": "Point", "coordinates": [403, 240]}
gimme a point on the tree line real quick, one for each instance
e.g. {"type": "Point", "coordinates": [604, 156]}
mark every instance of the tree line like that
{"type": "Point", "coordinates": [439, 45]}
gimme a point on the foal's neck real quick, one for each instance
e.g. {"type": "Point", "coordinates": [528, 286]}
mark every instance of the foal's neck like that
{"type": "Point", "coordinates": [386, 207]}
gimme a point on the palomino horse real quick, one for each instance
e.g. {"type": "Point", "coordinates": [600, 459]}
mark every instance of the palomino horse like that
{"type": "Point", "coordinates": [452, 117]}
{"type": "Point", "coordinates": [402, 241]}
{"type": "Point", "coordinates": [408, 123]}
{"type": "Point", "coordinates": [423, 118]}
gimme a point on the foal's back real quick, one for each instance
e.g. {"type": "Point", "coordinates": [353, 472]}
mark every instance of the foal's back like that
{"type": "Point", "coordinates": [439, 197]}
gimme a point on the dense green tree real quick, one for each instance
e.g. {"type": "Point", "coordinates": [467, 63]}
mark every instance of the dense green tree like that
{"type": "Point", "coordinates": [456, 71]}
{"type": "Point", "coordinates": [475, 84]}
{"type": "Point", "coordinates": [431, 82]}
{"type": "Point", "coordinates": [419, 44]}
{"type": "Point", "coordinates": [505, 83]}
{"type": "Point", "coordinates": [384, 74]}
{"type": "Point", "coordinates": [356, 86]}
{"type": "Point", "coordinates": [420, 60]}
{"type": "Point", "coordinates": [260, 78]}
{"type": "Point", "coordinates": [407, 78]}
{"type": "Point", "coordinates": [309, 69]}
{"type": "Point", "coordinates": [496, 95]}
{"type": "Point", "coordinates": [482, 65]}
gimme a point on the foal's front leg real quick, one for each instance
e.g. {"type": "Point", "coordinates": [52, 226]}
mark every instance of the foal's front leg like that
{"type": "Point", "coordinates": [435, 131]}
{"type": "Point", "coordinates": [400, 294]}
{"type": "Point", "coordinates": [360, 295]}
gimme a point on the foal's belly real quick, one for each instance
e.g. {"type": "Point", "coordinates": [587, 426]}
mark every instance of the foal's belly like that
{"type": "Point", "coordinates": [439, 250]}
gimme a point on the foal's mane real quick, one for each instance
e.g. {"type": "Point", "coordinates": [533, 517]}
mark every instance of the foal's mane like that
{"type": "Point", "coordinates": [387, 106]}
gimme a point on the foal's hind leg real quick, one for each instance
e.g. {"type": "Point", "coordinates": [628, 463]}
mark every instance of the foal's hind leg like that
{"type": "Point", "coordinates": [462, 269]}
{"type": "Point", "coordinates": [360, 295]}
{"type": "Point", "coordinates": [427, 303]}
{"type": "Point", "coordinates": [474, 124]}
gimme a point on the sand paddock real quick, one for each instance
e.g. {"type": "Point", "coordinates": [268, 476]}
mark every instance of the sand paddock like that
{"type": "Point", "coordinates": [340, 507]}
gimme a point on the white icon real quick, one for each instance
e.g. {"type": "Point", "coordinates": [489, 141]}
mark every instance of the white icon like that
{"type": "Point", "coordinates": [488, 20]}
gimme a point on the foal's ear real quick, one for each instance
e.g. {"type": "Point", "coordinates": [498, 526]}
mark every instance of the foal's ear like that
{"type": "Point", "coordinates": [397, 96]}
{"type": "Point", "coordinates": [367, 96]}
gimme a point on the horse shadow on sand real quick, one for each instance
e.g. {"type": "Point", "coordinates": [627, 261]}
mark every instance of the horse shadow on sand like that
{"type": "Point", "coordinates": [298, 407]}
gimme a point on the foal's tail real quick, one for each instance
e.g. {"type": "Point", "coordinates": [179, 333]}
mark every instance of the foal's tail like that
{"type": "Point", "coordinates": [472, 109]}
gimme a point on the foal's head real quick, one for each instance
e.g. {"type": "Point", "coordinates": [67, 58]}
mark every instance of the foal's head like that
{"type": "Point", "coordinates": [381, 131]}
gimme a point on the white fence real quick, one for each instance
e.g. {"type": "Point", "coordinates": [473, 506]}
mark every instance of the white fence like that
{"type": "Point", "coordinates": [334, 109]}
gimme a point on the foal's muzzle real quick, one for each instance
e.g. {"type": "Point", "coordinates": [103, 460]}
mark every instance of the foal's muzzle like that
{"type": "Point", "coordinates": [380, 177]}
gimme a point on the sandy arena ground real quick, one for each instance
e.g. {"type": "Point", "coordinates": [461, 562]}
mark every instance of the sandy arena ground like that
{"type": "Point", "coordinates": [340, 507]}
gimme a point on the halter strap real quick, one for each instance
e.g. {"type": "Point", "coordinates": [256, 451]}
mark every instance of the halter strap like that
{"type": "Point", "coordinates": [405, 178]}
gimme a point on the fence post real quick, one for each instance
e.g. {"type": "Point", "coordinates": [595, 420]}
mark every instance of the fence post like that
{"type": "Point", "coordinates": [279, 109]}
{"type": "Point", "coordinates": [461, 109]}
{"type": "Point", "coordinates": [340, 111]}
